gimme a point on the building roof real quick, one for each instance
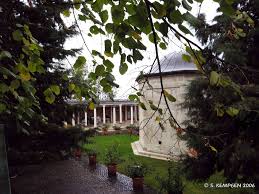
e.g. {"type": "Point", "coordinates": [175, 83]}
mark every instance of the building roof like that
{"type": "Point", "coordinates": [104, 102]}
{"type": "Point", "coordinates": [173, 62]}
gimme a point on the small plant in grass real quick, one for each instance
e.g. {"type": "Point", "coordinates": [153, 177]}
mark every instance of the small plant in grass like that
{"type": "Point", "coordinates": [92, 153]}
{"type": "Point", "coordinates": [173, 183]}
{"type": "Point", "coordinates": [137, 171]}
{"type": "Point", "coordinates": [105, 128]}
{"type": "Point", "coordinates": [132, 128]}
{"type": "Point", "coordinates": [112, 158]}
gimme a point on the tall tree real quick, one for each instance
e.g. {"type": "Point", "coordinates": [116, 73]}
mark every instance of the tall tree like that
{"type": "Point", "coordinates": [43, 18]}
{"type": "Point", "coordinates": [223, 117]}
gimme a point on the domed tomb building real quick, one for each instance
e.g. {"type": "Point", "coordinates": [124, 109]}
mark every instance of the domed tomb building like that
{"type": "Point", "coordinates": [154, 141]}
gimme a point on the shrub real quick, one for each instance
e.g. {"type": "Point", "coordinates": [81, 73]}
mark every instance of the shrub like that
{"type": "Point", "coordinates": [112, 154]}
{"type": "Point", "coordinates": [116, 127]}
{"type": "Point", "coordinates": [173, 182]}
{"type": "Point", "coordinates": [133, 127]}
{"type": "Point", "coordinates": [136, 169]}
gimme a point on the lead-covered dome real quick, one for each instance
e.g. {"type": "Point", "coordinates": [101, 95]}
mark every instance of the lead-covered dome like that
{"type": "Point", "coordinates": [173, 62]}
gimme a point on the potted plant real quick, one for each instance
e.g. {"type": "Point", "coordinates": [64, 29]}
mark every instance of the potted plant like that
{"type": "Point", "coordinates": [130, 128]}
{"type": "Point", "coordinates": [105, 129]}
{"type": "Point", "coordinates": [116, 127]}
{"type": "Point", "coordinates": [173, 183]}
{"type": "Point", "coordinates": [112, 158]}
{"type": "Point", "coordinates": [137, 172]}
{"type": "Point", "coordinates": [77, 150]}
{"type": "Point", "coordinates": [92, 153]}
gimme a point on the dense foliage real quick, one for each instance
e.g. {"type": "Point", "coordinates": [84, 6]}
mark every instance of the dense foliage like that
{"type": "Point", "coordinates": [222, 123]}
{"type": "Point", "coordinates": [228, 62]}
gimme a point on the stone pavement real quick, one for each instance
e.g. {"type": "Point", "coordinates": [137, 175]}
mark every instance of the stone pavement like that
{"type": "Point", "coordinates": [70, 177]}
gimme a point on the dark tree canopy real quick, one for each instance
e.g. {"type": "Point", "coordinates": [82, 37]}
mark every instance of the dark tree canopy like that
{"type": "Point", "coordinates": [225, 141]}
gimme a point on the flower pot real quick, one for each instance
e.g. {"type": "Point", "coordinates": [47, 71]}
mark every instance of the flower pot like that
{"type": "Point", "coordinates": [105, 131]}
{"type": "Point", "coordinates": [78, 153]}
{"type": "Point", "coordinates": [92, 159]}
{"type": "Point", "coordinates": [112, 169]}
{"type": "Point", "coordinates": [138, 183]}
{"type": "Point", "coordinates": [130, 131]}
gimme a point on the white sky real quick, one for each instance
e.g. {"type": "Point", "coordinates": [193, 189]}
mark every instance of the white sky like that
{"type": "Point", "coordinates": [127, 80]}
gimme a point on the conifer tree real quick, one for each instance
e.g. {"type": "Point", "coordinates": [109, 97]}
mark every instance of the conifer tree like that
{"type": "Point", "coordinates": [222, 124]}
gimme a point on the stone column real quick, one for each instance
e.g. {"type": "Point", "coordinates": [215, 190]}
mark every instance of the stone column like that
{"type": "Point", "coordinates": [95, 118]}
{"type": "Point", "coordinates": [114, 115]}
{"type": "Point", "coordinates": [73, 119]}
{"type": "Point", "coordinates": [135, 113]}
{"type": "Point", "coordinates": [120, 113]}
{"type": "Point", "coordinates": [86, 118]}
{"type": "Point", "coordinates": [131, 115]}
{"type": "Point", "coordinates": [78, 118]}
{"type": "Point", "coordinates": [104, 116]}
{"type": "Point", "coordinates": [126, 114]}
{"type": "Point", "coordinates": [111, 114]}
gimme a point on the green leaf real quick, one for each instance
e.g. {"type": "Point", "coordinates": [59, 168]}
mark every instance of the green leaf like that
{"type": "Point", "coordinates": [2, 107]}
{"type": "Point", "coordinates": [5, 54]}
{"type": "Point", "coordinates": [231, 111]}
{"type": "Point", "coordinates": [25, 75]}
{"type": "Point", "coordinates": [108, 45]}
{"type": "Point", "coordinates": [214, 78]}
{"type": "Point", "coordinates": [32, 67]}
{"type": "Point", "coordinates": [175, 17]}
{"type": "Point", "coordinates": [108, 54]}
{"type": "Point", "coordinates": [97, 6]}
{"type": "Point", "coordinates": [104, 16]}
{"type": "Point", "coordinates": [50, 99]}
{"type": "Point", "coordinates": [184, 29]}
{"type": "Point", "coordinates": [226, 8]}
{"type": "Point", "coordinates": [108, 64]}
{"type": "Point", "coordinates": [152, 106]}
{"type": "Point", "coordinates": [94, 29]}
{"type": "Point", "coordinates": [136, 35]}
{"type": "Point", "coordinates": [213, 149]}
{"type": "Point", "coordinates": [160, 9]}
{"type": "Point", "coordinates": [142, 105]}
{"type": "Point", "coordinates": [137, 56]}
{"type": "Point", "coordinates": [65, 77]}
{"type": "Point", "coordinates": [109, 28]}
{"type": "Point", "coordinates": [123, 68]}
{"type": "Point", "coordinates": [17, 35]}
{"type": "Point", "coordinates": [49, 96]}
{"type": "Point", "coordinates": [186, 5]}
{"type": "Point", "coordinates": [3, 88]}
{"type": "Point", "coordinates": [99, 70]}
{"type": "Point", "coordinates": [80, 62]}
{"type": "Point", "coordinates": [6, 71]}
{"type": "Point", "coordinates": [162, 45]}
{"type": "Point", "coordinates": [186, 58]}
{"type": "Point", "coordinates": [82, 17]}
{"type": "Point", "coordinates": [71, 87]}
{"type": "Point", "coordinates": [15, 84]}
{"type": "Point", "coordinates": [117, 14]}
{"type": "Point", "coordinates": [66, 13]}
{"type": "Point", "coordinates": [163, 28]}
{"type": "Point", "coordinates": [107, 88]}
{"type": "Point", "coordinates": [77, 3]}
{"type": "Point", "coordinates": [133, 97]}
{"type": "Point", "coordinates": [55, 89]}
{"type": "Point", "coordinates": [91, 105]}
{"type": "Point", "coordinates": [169, 96]}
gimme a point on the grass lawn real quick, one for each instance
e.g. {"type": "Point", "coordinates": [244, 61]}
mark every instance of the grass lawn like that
{"type": "Point", "coordinates": [158, 167]}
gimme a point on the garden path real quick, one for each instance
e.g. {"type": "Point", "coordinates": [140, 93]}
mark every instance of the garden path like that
{"type": "Point", "coordinates": [70, 177]}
